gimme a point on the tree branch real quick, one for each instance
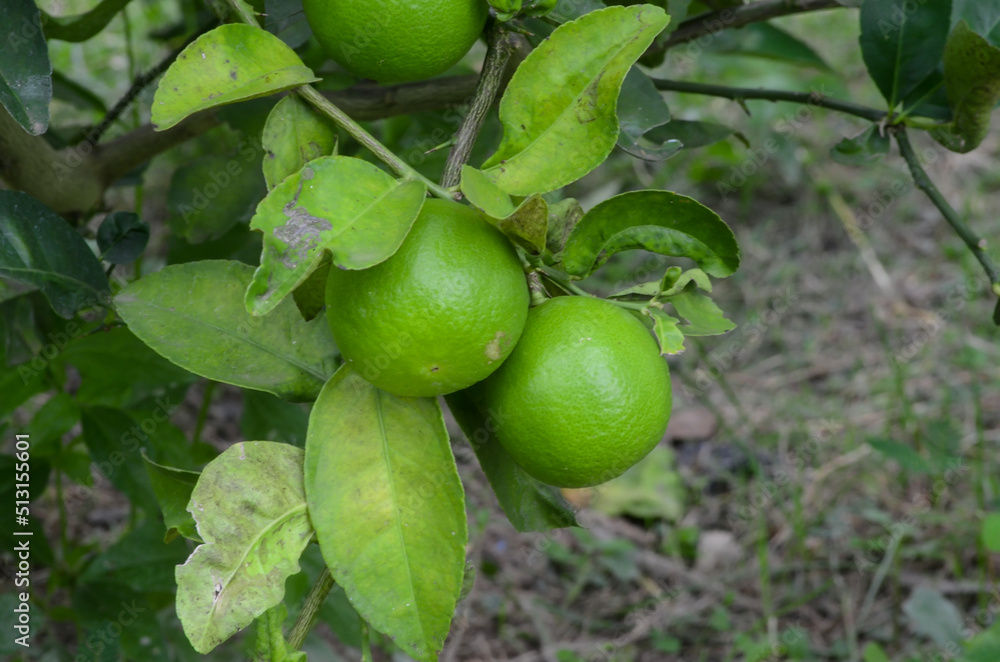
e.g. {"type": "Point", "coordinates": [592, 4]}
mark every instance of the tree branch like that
{"type": "Point", "coordinates": [744, 93]}
{"type": "Point", "coordinates": [736, 17]}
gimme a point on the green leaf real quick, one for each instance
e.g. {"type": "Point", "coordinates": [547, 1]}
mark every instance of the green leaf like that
{"type": "Point", "coordinates": [122, 237]}
{"type": "Point", "coordinates": [982, 17]}
{"type": "Point", "coordinates": [558, 112]}
{"type": "Point", "coordinates": [526, 224]}
{"type": "Point", "coordinates": [172, 488]}
{"type": "Point", "coordinates": [267, 417]}
{"type": "Point", "coordinates": [563, 218]}
{"type": "Point", "coordinates": [286, 20]}
{"type": "Point", "coordinates": [703, 316]}
{"type": "Point", "coordinates": [141, 560]}
{"type": "Point", "coordinates": [39, 248]}
{"type": "Point", "coordinates": [908, 459]}
{"type": "Point", "coordinates": [874, 653]}
{"type": "Point", "coordinates": [114, 439]}
{"type": "Point", "coordinates": [690, 134]}
{"type": "Point", "coordinates": [650, 489]}
{"type": "Point", "coordinates": [388, 507]}
{"type": "Point", "coordinates": [640, 109]}
{"type": "Point", "coordinates": [310, 295]}
{"type": "Point", "coordinates": [972, 78]}
{"type": "Point", "coordinates": [81, 27]}
{"type": "Point", "coordinates": [868, 146]}
{"type": "Point", "coordinates": [76, 94]}
{"type": "Point", "coordinates": [231, 63]}
{"type": "Point", "coordinates": [339, 204]}
{"type": "Point", "coordinates": [271, 645]}
{"type": "Point", "coordinates": [294, 135]}
{"type": "Point", "coordinates": [667, 331]}
{"type": "Point", "coordinates": [529, 504]}
{"type": "Point", "coordinates": [193, 315]}
{"type": "Point", "coordinates": [902, 43]}
{"type": "Point", "coordinates": [674, 281]}
{"type": "Point", "coordinates": [768, 41]}
{"type": "Point", "coordinates": [211, 194]}
{"type": "Point", "coordinates": [990, 532]}
{"type": "Point", "coordinates": [250, 506]}
{"type": "Point", "coordinates": [25, 68]}
{"type": "Point", "coordinates": [658, 221]}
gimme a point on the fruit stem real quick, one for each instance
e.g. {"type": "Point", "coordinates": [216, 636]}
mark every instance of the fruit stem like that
{"type": "Point", "coordinates": [501, 46]}
{"type": "Point", "coordinates": [355, 130]}
{"type": "Point", "coordinates": [310, 610]}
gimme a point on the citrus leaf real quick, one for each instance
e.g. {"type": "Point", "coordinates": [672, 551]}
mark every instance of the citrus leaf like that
{"type": "Point", "coordinates": [768, 41]}
{"type": "Point", "coordinates": [271, 644]}
{"type": "Point", "coordinates": [675, 281]}
{"type": "Point", "coordinates": [122, 237]}
{"type": "Point", "coordinates": [640, 109]}
{"type": "Point", "coordinates": [25, 68]}
{"type": "Point", "coordinates": [294, 135]}
{"type": "Point", "coordinates": [339, 204]}
{"type": "Point", "coordinates": [39, 248]}
{"type": "Point", "coordinates": [81, 27]}
{"type": "Point", "coordinates": [193, 315]}
{"type": "Point", "coordinates": [902, 43]}
{"type": "Point", "coordinates": [558, 112]}
{"type": "Point", "coordinates": [388, 507]}
{"type": "Point", "coordinates": [173, 488]}
{"type": "Point", "coordinates": [690, 134]}
{"type": "Point", "coordinates": [667, 331]}
{"type": "Point", "coordinates": [905, 455]}
{"type": "Point", "coordinates": [870, 145]}
{"type": "Point", "coordinates": [230, 63]}
{"type": "Point", "coordinates": [526, 225]}
{"type": "Point", "coordinates": [563, 217]}
{"type": "Point", "coordinates": [250, 506]}
{"type": "Point", "coordinates": [529, 504]}
{"type": "Point", "coordinates": [972, 79]}
{"type": "Point", "coordinates": [703, 315]}
{"type": "Point", "coordinates": [310, 296]}
{"type": "Point", "coordinates": [658, 221]}
{"type": "Point", "coordinates": [287, 20]}
{"type": "Point", "coordinates": [111, 438]}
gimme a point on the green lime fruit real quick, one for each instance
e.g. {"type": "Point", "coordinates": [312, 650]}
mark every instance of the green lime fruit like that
{"type": "Point", "coordinates": [439, 315]}
{"type": "Point", "coordinates": [584, 396]}
{"type": "Point", "coordinates": [395, 41]}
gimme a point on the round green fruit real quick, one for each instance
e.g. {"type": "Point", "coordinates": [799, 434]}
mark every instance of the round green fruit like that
{"type": "Point", "coordinates": [395, 41]}
{"type": "Point", "coordinates": [584, 396]}
{"type": "Point", "coordinates": [439, 315]}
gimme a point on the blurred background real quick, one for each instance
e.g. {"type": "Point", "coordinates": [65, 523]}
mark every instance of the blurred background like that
{"type": "Point", "coordinates": [826, 489]}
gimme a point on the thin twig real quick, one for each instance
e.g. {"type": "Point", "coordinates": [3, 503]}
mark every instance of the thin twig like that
{"type": "Point", "coordinates": [736, 17]}
{"type": "Point", "coordinates": [310, 610]}
{"type": "Point", "coordinates": [924, 183]}
{"type": "Point", "coordinates": [502, 45]}
{"type": "Point", "coordinates": [762, 94]}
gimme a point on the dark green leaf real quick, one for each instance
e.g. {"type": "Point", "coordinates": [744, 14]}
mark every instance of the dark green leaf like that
{"type": "Point", "coordinates": [122, 237]}
{"type": "Point", "coordinates": [972, 78]}
{"type": "Point", "coordinates": [210, 195]}
{"type": "Point", "coordinates": [771, 42]}
{"type": "Point", "coordinates": [690, 134]}
{"type": "Point", "coordinates": [25, 69]}
{"type": "Point", "coordinates": [18, 383]}
{"type": "Point", "coordinates": [529, 504]}
{"type": "Point", "coordinates": [982, 17]}
{"type": "Point", "coordinates": [80, 96]}
{"type": "Point", "coordinates": [870, 145]}
{"type": "Point", "coordinates": [294, 135]}
{"type": "Point", "coordinates": [907, 458]}
{"type": "Point", "coordinates": [657, 221]}
{"type": "Point", "coordinates": [81, 27]}
{"type": "Point", "coordinates": [52, 421]}
{"type": "Point", "coordinates": [573, 80]}
{"type": "Point", "coordinates": [568, 10]}
{"type": "Point", "coordinates": [39, 248]}
{"type": "Point", "coordinates": [115, 439]}
{"type": "Point", "coordinates": [172, 488]}
{"type": "Point", "coordinates": [193, 314]}
{"type": "Point", "coordinates": [231, 63]}
{"type": "Point", "coordinates": [250, 507]}
{"type": "Point", "coordinates": [640, 109]}
{"type": "Point", "coordinates": [286, 20]}
{"type": "Point", "coordinates": [141, 561]}
{"type": "Point", "coordinates": [268, 417]}
{"type": "Point", "coordinates": [902, 42]}
{"type": "Point", "coordinates": [388, 507]}
{"type": "Point", "coordinates": [337, 204]}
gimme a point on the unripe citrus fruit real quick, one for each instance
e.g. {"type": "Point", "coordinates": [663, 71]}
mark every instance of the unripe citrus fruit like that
{"type": "Point", "coordinates": [583, 397]}
{"type": "Point", "coordinates": [394, 41]}
{"type": "Point", "coordinates": [439, 315]}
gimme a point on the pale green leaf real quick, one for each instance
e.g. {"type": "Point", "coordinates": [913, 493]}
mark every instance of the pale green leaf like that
{"type": "Point", "coordinates": [271, 645]}
{"type": "Point", "coordinates": [231, 63]}
{"type": "Point", "coordinates": [703, 315]}
{"type": "Point", "coordinates": [388, 507]}
{"type": "Point", "coordinates": [558, 112]}
{"type": "Point", "coordinates": [337, 204]}
{"type": "Point", "coordinates": [250, 507]}
{"type": "Point", "coordinates": [294, 135]}
{"type": "Point", "coordinates": [526, 224]}
{"type": "Point", "coordinates": [667, 331]}
{"type": "Point", "coordinates": [193, 315]}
